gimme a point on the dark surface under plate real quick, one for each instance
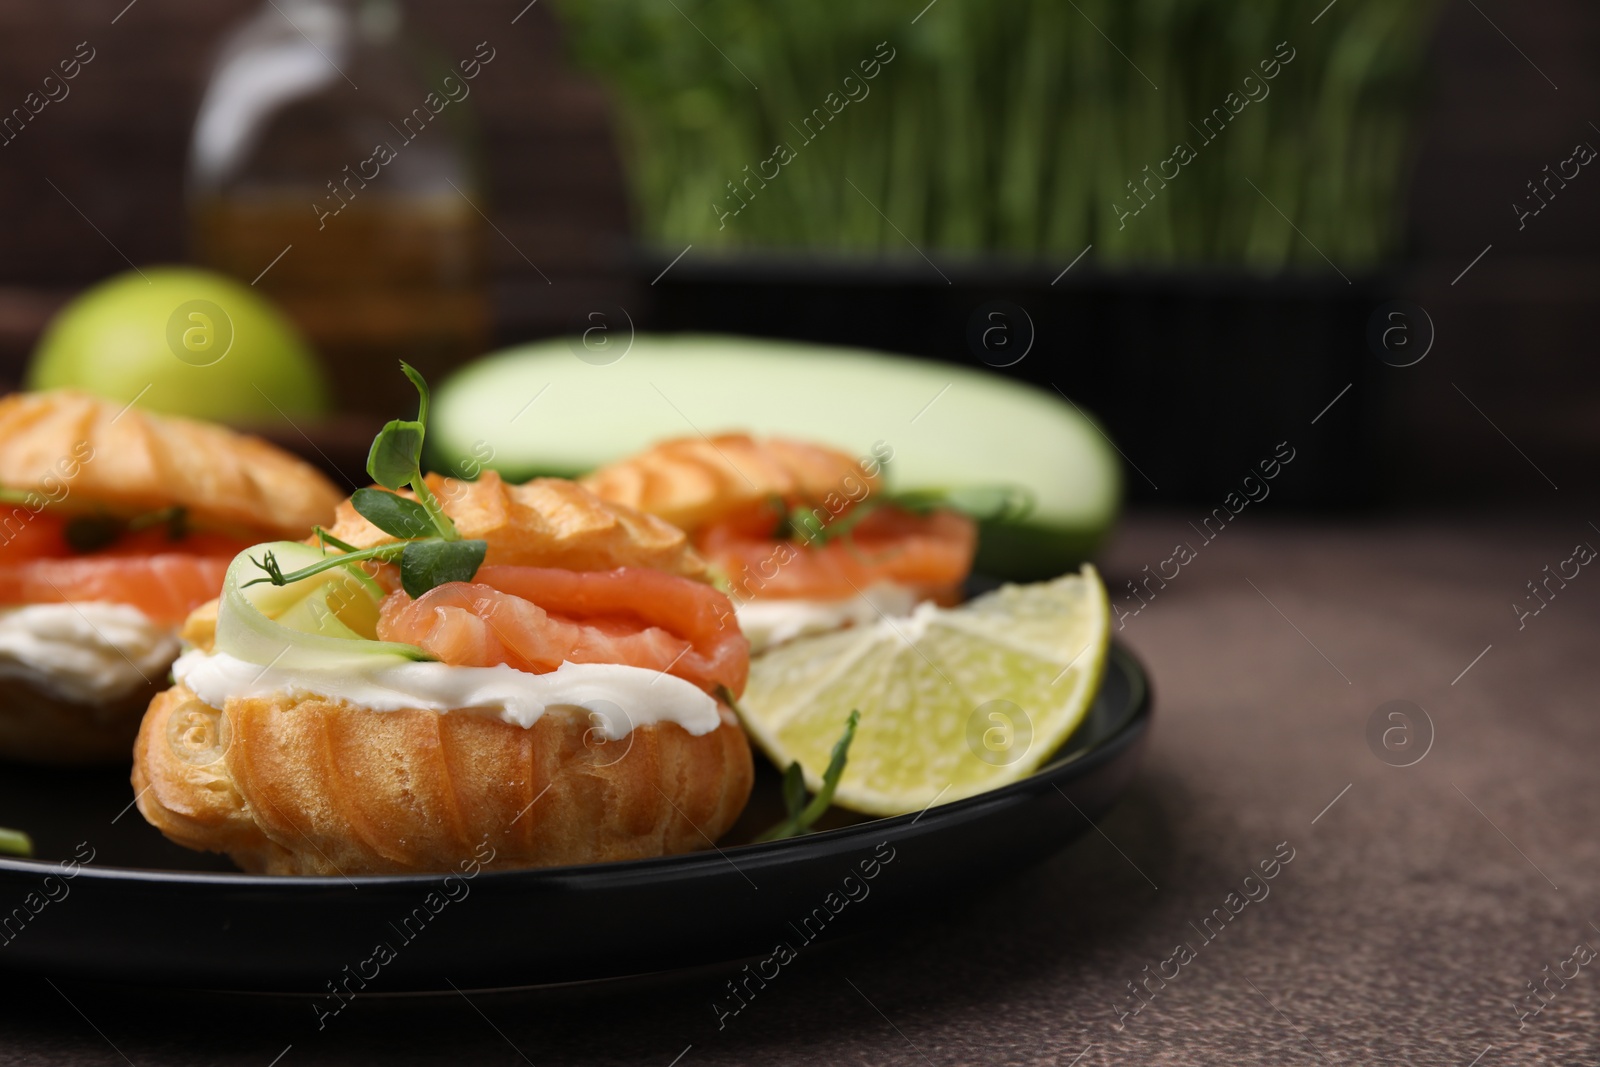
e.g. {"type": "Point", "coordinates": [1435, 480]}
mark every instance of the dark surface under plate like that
{"type": "Point", "coordinates": [1405, 931]}
{"type": "Point", "coordinates": [144, 910]}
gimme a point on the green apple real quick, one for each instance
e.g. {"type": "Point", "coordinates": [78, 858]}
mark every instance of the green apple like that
{"type": "Point", "coordinates": [182, 341]}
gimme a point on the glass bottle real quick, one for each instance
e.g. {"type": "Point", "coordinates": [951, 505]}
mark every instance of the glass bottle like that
{"type": "Point", "coordinates": [330, 167]}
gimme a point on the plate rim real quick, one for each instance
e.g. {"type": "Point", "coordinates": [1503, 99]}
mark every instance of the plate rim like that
{"type": "Point", "coordinates": [1140, 698]}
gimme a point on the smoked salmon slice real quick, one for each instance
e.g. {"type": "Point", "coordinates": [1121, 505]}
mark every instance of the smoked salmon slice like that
{"type": "Point", "coordinates": [166, 587]}
{"type": "Point", "coordinates": [25, 536]}
{"type": "Point", "coordinates": [157, 542]}
{"type": "Point", "coordinates": [536, 618]}
{"type": "Point", "coordinates": [163, 577]}
{"type": "Point", "coordinates": [930, 552]}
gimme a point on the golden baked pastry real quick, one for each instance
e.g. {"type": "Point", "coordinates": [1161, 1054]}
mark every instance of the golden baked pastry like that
{"type": "Point", "coordinates": [805, 538]}
{"type": "Point", "coordinates": [311, 786]}
{"type": "Point", "coordinates": [287, 781]}
{"type": "Point", "coordinates": [693, 481]}
{"type": "Point", "coordinates": [115, 523]}
{"type": "Point", "coordinates": [145, 462]}
{"type": "Point", "coordinates": [547, 522]}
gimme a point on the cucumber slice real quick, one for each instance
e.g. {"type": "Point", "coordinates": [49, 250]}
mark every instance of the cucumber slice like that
{"type": "Point", "coordinates": [323, 622]}
{"type": "Point", "coordinates": [318, 613]}
{"type": "Point", "coordinates": [538, 409]}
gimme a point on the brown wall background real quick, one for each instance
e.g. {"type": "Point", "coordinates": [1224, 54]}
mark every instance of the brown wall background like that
{"type": "Point", "coordinates": [1516, 334]}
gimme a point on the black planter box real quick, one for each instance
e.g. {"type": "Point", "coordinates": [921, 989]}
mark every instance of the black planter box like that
{"type": "Point", "coordinates": [1196, 376]}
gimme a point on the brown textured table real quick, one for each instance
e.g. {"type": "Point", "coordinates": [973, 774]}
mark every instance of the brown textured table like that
{"type": "Point", "coordinates": [1417, 904]}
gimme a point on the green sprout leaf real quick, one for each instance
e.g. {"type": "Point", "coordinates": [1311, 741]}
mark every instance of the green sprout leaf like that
{"type": "Point", "coordinates": [985, 503]}
{"type": "Point", "coordinates": [433, 562]}
{"type": "Point", "coordinates": [394, 515]}
{"type": "Point", "coordinates": [840, 527]}
{"type": "Point", "coordinates": [804, 524]}
{"type": "Point", "coordinates": [15, 843]}
{"type": "Point", "coordinates": [794, 791]}
{"type": "Point", "coordinates": [982, 502]}
{"type": "Point", "coordinates": [395, 460]}
{"type": "Point", "coordinates": [988, 503]}
{"type": "Point", "coordinates": [175, 519]}
{"type": "Point", "coordinates": [396, 456]}
{"type": "Point", "coordinates": [430, 550]}
{"type": "Point", "coordinates": [799, 819]}
{"type": "Point", "coordinates": [90, 533]}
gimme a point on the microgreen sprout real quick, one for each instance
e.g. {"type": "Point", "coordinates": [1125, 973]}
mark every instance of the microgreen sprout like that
{"type": "Point", "coordinates": [985, 503]}
{"type": "Point", "coordinates": [430, 549]}
{"type": "Point", "coordinates": [15, 843]}
{"type": "Point", "coordinates": [800, 814]}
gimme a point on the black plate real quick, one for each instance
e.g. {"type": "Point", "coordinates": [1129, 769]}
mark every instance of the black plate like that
{"type": "Point", "coordinates": [147, 911]}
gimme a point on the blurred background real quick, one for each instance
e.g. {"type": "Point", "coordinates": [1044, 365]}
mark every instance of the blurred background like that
{"type": "Point", "coordinates": [601, 154]}
{"type": "Point", "coordinates": [1363, 227]}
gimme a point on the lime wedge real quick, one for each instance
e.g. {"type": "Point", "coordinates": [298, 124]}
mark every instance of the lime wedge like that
{"type": "Point", "coordinates": [953, 701]}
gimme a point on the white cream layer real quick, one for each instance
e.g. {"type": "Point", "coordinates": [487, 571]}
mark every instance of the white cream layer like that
{"type": "Point", "coordinates": [772, 622]}
{"type": "Point", "coordinates": [88, 653]}
{"type": "Point", "coordinates": [617, 697]}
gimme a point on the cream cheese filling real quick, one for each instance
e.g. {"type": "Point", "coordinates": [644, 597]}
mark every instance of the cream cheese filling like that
{"type": "Point", "coordinates": [616, 697]}
{"type": "Point", "coordinates": [89, 653]}
{"type": "Point", "coordinates": [774, 621]}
